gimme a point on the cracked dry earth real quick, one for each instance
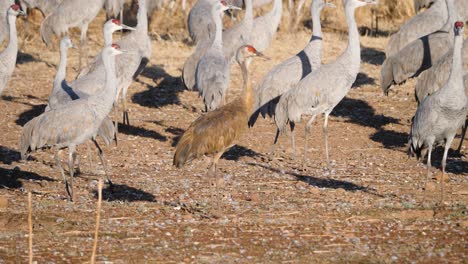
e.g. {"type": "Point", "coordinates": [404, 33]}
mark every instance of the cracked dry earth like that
{"type": "Point", "coordinates": [368, 208]}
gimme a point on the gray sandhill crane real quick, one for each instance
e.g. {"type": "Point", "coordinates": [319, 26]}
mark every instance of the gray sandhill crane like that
{"type": "Point", "coordinates": [418, 26]}
{"type": "Point", "coordinates": [212, 72]}
{"type": "Point", "coordinates": [442, 113]}
{"type": "Point", "coordinates": [264, 28]}
{"type": "Point", "coordinates": [71, 13]}
{"type": "Point", "coordinates": [137, 45]}
{"type": "Point", "coordinates": [238, 35]}
{"type": "Point", "coordinates": [190, 65]}
{"type": "Point", "coordinates": [45, 6]}
{"type": "Point", "coordinates": [4, 6]}
{"type": "Point", "coordinates": [287, 74]}
{"type": "Point", "coordinates": [215, 132]}
{"type": "Point", "coordinates": [460, 5]}
{"type": "Point", "coordinates": [417, 56]}
{"type": "Point", "coordinates": [199, 20]}
{"type": "Point", "coordinates": [432, 79]}
{"type": "Point", "coordinates": [62, 93]}
{"type": "Point", "coordinates": [73, 124]}
{"type": "Point", "coordinates": [321, 90]}
{"type": "Point", "coordinates": [8, 55]}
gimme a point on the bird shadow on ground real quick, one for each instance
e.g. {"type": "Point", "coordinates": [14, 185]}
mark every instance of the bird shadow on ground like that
{"type": "Point", "coordinates": [361, 113]}
{"type": "Point", "coordinates": [122, 192]}
{"type": "Point", "coordinates": [165, 92]}
{"type": "Point", "coordinates": [363, 79]}
{"type": "Point", "coordinates": [236, 152]}
{"type": "Point", "coordinates": [177, 132]}
{"type": "Point", "coordinates": [327, 183]}
{"type": "Point", "coordinates": [24, 58]}
{"type": "Point", "coordinates": [454, 165]}
{"type": "Point", "coordinates": [10, 178]}
{"type": "Point", "coordinates": [372, 56]}
{"type": "Point", "coordinates": [26, 116]}
{"type": "Point", "coordinates": [390, 139]}
{"type": "Point", "coordinates": [8, 156]}
{"type": "Point", "coordinates": [141, 132]}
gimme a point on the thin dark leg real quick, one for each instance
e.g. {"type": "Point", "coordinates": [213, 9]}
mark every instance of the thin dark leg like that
{"type": "Point", "coordinates": [325, 132]}
{"type": "Point", "coordinates": [307, 132]}
{"type": "Point", "coordinates": [58, 162]}
{"type": "Point", "coordinates": [444, 160]}
{"type": "Point", "coordinates": [104, 164]}
{"type": "Point", "coordinates": [292, 125]}
{"type": "Point", "coordinates": [71, 163]}
{"type": "Point", "coordinates": [428, 175]}
{"type": "Point", "coordinates": [463, 134]}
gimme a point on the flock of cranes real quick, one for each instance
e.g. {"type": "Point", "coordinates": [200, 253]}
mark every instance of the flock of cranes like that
{"type": "Point", "coordinates": [430, 45]}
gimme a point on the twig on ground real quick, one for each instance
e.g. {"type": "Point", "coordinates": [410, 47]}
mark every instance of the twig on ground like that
{"type": "Point", "coordinates": [98, 219]}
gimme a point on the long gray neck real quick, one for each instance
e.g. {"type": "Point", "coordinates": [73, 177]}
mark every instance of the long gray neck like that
{"type": "Point", "coordinates": [354, 46]}
{"type": "Point", "coordinates": [277, 9]}
{"type": "Point", "coordinates": [316, 25]}
{"type": "Point", "coordinates": [142, 17]}
{"type": "Point", "coordinates": [62, 69]}
{"type": "Point", "coordinates": [451, 17]}
{"type": "Point", "coordinates": [248, 11]}
{"type": "Point", "coordinates": [218, 38]}
{"type": "Point", "coordinates": [107, 37]}
{"type": "Point", "coordinates": [104, 100]}
{"type": "Point", "coordinates": [456, 75]}
{"type": "Point", "coordinates": [13, 44]}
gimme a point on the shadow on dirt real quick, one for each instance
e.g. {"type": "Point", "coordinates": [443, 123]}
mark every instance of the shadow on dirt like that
{"type": "Point", "coordinates": [26, 116]}
{"type": "Point", "coordinates": [8, 156]}
{"type": "Point", "coordinates": [372, 56]}
{"type": "Point", "coordinates": [141, 132]}
{"type": "Point", "coordinates": [363, 79]}
{"type": "Point", "coordinates": [236, 152]}
{"type": "Point", "coordinates": [165, 91]}
{"type": "Point", "coordinates": [10, 178]}
{"type": "Point", "coordinates": [454, 165]}
{"type": "Point", "coordinates": [361, 113]}
{"type": "Point", "coordinates": [322, 182]}
{"type": "Point", "coordinates": [390, 139]}
{"type": "Point", "coordinates": [121, 192]}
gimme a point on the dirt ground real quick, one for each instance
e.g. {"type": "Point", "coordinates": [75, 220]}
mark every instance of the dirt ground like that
{"type": "Point", "coordinates": [368, 208]}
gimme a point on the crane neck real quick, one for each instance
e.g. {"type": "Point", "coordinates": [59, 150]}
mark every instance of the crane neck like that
{"type": "Point", "coordinates": [108, 38]}
{"type": "Point", "coordinates": [354, 46]}
{"type": "Point", "coordinates": [248, 10]}
{"type": "Point", "coordinates": [109, 93]}
{"type": "Point", "coordinates": [451, 16]}
{"type": "Point", "coordinates": [62, 68]}
{"type": "Point", "coordinates": [456, 75]}
{"type": "Point", "coordinates": [13, 44]}
{"type": "Point", "coordinates": [316, 25]}
{"type": "Point", "coordinates": [247, 91]}
{"type": "Point", "coordinates": [277, 8]}
{"type": "Point", "coordinates": [142, 17]}
{"type": "Point", "coordinates": [218, 30]}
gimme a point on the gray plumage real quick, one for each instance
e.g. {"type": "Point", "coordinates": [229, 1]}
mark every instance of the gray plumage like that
{"type": "Point", "coordinates": [418, 26]}
{"type": "Point", "coordinates": [321, 90]}
{"type": "Point", "coordinates": [431, 80]}
{"type": "Point", "coordinates": [212, 72]}
{"type": "Point", "coordinates": [4, 6]}
{"type": "Point", "coordinates": [287, 74]}
{"type": "Point", "coordinates": [45, 6]}
{"type": "Point", "coordinates": [74, 123]}
{"type": "Point", "coordinates": [238, 35]}
{"type": "Point", "coordinates": [114, 8]}
{"type": "Point", "coordinates": [460, 5]}
{"type": "Point", "coordinates": [264, 28]}
{"type": "Point", "coordinates": [442, 113]}
{"type": "Point", "coordinates": [8, 55]}
{"type": "Point", "coordinates": [190, 65]}
{"type": "Point", "coordinates": [199, 20]}
{"type": "Point", "coordinates": [418, 56]}
{"type": "Point", "coordinates": [62, 93]}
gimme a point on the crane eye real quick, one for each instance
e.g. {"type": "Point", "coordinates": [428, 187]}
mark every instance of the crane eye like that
{"type": "Point", "coordinates": [116, 46]}
{"type": "Point", "coordinates": [251, 49]}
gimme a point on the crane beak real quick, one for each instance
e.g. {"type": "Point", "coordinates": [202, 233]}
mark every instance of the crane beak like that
{"type": "Point", "coordinates": [330, 5]}
{"type": "Point", "coordinates": [259, 54]}
{"type": "Point", "coordinates": [234, 7]}
{"type": "Point", "coordinates": [127, 27]}
{"type": "Point", "coordinates": [22, 13]}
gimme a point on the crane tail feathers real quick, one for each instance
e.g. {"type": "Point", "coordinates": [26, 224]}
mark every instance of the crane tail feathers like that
{"type": "Point", "coordinates": [386, 76]}
{"type": "Point", "coordinates": [26, 145]}
{"type": "Point", "coordinates": [253, 118]}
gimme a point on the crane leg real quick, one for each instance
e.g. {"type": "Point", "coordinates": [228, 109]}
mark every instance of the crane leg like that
{"type": "Point", "coordinates": [71, 163]}
{"type": "Point", "coordinates": [272, 152]}
{"type": "Point", "coordinates": [444, 161]}
{"type": "Point", "coordinates": [121, 18]}
{"type": "Point", "coordinates": [428, 176]}
{"type": "Point", "coordinates": [126, 120]}
{"type": "Point", "coordinates": [307, 132]}
{"type": "Point", "coordinates": [83, 42]}
{"type": "Point", "coordinates": [59, 165]}
{"type": "Point", "coordinates": [298, 14]}
{"type": "Point", "coordinates": [90, 157]}
{"type": "Point", "coordinates": [291, 14]}
{"type": "Point", "coordinates": [104, 164]}
{"type": "Point", "coordinates": [116, 122]}
{"type": "Point", "coordinates": [292, 125]}
{"type": "Point", "coordinates": [325, 132]}
{"type": "Point", "coordinates": [463, 134]}
{"type": "Point", "coordinates": [214, 176]}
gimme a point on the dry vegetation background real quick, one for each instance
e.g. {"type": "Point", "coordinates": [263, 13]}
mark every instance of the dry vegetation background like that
{"type": "Point", "coordinates": [368, 209]}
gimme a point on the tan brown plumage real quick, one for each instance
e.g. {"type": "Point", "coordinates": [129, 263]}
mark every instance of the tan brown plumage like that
{"type": "Point", "coordinates": [216, 131]}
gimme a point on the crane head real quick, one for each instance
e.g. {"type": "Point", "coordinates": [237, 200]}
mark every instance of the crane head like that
{"type": "Point", "coordinates": [225, 6]}
{"type": "Point", "coordinates": [15, 10]}
{"type": "Point", "coordinates": [246, 53]}
{"type": "Point", "coordinates": [115, 48]}
{"type": "Point", "coordinates": [114, 24]}
{"type": "Point", "coordinates": [458, 28]}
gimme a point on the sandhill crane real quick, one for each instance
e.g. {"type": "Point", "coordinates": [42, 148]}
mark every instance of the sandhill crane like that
{"type": "Point", "coordinates": [212, 72]}
{"type": "Point", "coordinates": [418, 26]}
{"type": "Point", "coordinates": [45, 6]}
{"type": "Point", "coordinates": [417, 56]}
{"type": "Point", "coordinates": [264, 28]}
{"type": "Point", "coordinates": [71, 13]}
{"type": "Point", "coordinates": [73, 124]}
{"type": "Point", "coordinates": [215, 132]}
{"type": "Point", "coordinates": [460, 5]}
{"type": "Point", "coordinates": [114, 8]}
{"type": "Point", "coordinates": [439, 116]}
{"type": "Point", "coordinates": [137, 45]}
{"type": "Point", "coordinates": [287, 74]}
{"type": "Point", "coordinates": [8, 55]}
{"type": "Point", "coordinates": [199, 20]}
{"type": "Point", "coordinates": [238, 35]}
{"type": "Point", "coordinates": [4, 6]}
{"type": "Point", "coordinates": [190, 65]}
{"type": "Point", "coordinates": [321, 90]}
{"type": "Point", "coordinates": [432, 79]}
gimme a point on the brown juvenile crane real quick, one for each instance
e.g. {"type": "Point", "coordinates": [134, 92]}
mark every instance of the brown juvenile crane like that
{"type": "Point", "coordinates": [216, 131]}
